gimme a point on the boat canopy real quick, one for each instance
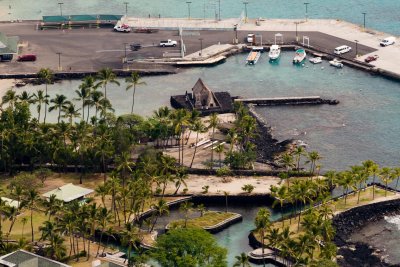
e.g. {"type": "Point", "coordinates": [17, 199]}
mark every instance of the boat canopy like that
{"type": "Point", "coordinates": [274, 47]}
{"type": "Point", "coordinates": [300, 51]}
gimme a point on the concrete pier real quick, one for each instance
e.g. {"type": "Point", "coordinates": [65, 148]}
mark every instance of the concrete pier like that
{"type": "Point", "coordinates": [277, 101]}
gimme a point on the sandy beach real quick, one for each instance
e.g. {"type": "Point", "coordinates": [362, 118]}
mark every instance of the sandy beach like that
{"type": "Point", "coordinates": [5, 85]}
{"type": "Point", "coordinates": [219, 185]}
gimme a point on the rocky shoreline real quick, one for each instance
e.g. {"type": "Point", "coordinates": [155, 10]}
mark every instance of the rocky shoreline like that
{"type": "Point", "coordinates": [346, 223]}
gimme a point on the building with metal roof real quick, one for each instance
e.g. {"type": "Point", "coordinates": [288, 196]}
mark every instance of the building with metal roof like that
{"type": "Point", "coordinates": [22, 258]}
{"type": "Point", "coordinates": [10, 202]}
{"type": "Point", "coordinates": [69, 192]}
{"type": "Point", "coordinates": [8, 46]}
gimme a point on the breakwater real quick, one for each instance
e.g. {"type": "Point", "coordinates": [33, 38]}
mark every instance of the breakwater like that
{"type": "Point", "coordinates": [277, 101]}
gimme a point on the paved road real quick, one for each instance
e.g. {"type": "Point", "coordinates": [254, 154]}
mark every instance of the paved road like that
{"type": "Point", "coordinates": [92, 49]}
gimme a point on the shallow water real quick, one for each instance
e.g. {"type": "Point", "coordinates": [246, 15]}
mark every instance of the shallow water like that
{"type": "Point", "coordinates": [379, 16]}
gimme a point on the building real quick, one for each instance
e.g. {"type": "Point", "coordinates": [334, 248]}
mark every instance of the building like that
{"type": "Point", "coordinates": [22, 258]}
{"type": "Point", "coordinates": [8, 46]}
{"type": "Point", "coordinates": [69, 192]}
{"type": "Point", "coordinates": [10, 202]}
{"type": "Point", "coordinates": [204, 100]}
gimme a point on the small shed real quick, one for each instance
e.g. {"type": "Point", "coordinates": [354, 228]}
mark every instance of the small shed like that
{"type": "Point", "coordinates": [69, 192]}
{"type": "Point", "coordinates": [8, 46]}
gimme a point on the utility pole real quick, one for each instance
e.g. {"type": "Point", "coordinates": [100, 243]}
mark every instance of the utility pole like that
{"type": "Point", "coordinates": [236, 35]}
{"type": "Point", "coordinates": [188, 3]}
{"type": "Point", "coordinates": [364, 18]}
{"type": "Point", "coordinates": [59, 60]}
{"type": "Point", "coordinates": [201, 46]}
{"type": "Point", "coordinates": [60, 4]}
{"type": "Point", "coordinates": [306, 4]}
{"type": "Point", "coordinates": [297, 37]}
{"type": "Point", "coordinates": [356, 41]}
{"type": "Point", "coordinates": [126, 8]}
{"type": "Point", "coordinates": [245, 10]}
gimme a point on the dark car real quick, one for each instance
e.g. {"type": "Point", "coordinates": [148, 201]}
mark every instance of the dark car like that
{"type": "Point", "coordinates": [135, 46]}
{"type": "Point", "coordinates": [371, 58]}
{"type": "Point", "coordinates": [29, 57]}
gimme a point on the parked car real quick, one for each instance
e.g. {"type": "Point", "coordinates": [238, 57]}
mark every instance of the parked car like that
{"type": "Point", "coordinates": [135, 46]}
{"type": "Point", "coordinates": [342, 49]}
{"type": "Point", "coordinates": [168, 43]}
{"type": "Point", "coordinates": [122, 28]}
{"type": "Point", "coordinates": [29, 57]}
{"type": "Point", "coordinates": [388, 41]}
{"type": "Point", "coordinates": [371, 58]}
{"type": "Point", "coordinates": [145, 30]}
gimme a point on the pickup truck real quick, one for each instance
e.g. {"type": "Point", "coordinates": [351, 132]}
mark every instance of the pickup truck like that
{"type": "Point", "coordinates": [122, 28]}
{"type": "Point", "coordinates": [168, 43]}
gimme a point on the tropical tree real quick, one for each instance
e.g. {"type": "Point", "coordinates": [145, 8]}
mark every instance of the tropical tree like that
{"type": "Point", "coordinates": [52, 205]}
{"type": "Point", "coordinates": [32, 198]}
{"type": "Point", "coordinates": [84, 92]}
{"type": "Point", "coordinates": [186, 207]}
{"type": "Point", "coordinates": [133, 81]}
{"type": "Point", "coordinates": [61, 103]}
{"type": "Point", "coordinates": [220, 149]}
{"type": "Point", "coordinates": [130, 236]}
{"type": "Point", "coordinates": [198, 127]}
{"type": "Point", "coordinates": [10, 98]}
{"type": "Point", "coordinates": [103, 218]}
{"type": "Point", "coordinates": [298, 152]}
{"type": "Point", "coordinates": [262, 223]}
{"type": "Point", "coordinates": [106, 76]}
{"type": "Point", "coordinates": [386, 176]}
{"type": "Point", "coordinates": [46, 76]}
{"type": "Point", "coordinates": [213, 122]}
{"type": "Point", "coordinates": [313, 157]}
{"type": "Point", "coordinates": [242, 260]}
{"type": "Point", "coordinates": [71, 112]}
{"type": "Point", "coordinates": [396, 174]}
{"type": "Point", "coordinates": [160, 209]}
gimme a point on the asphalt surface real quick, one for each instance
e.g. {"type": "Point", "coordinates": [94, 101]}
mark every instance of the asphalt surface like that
{"type": "Point", "coordinates": [91, 49]}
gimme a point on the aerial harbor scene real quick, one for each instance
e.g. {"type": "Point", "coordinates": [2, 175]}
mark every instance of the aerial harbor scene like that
{"type": "Point", "coordinates": [202, 133]}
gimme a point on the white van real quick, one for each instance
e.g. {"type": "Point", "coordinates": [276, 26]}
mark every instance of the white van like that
{"type": "Point", "coordinates": [388, 41]}
{"type": "Point", "coordinates": [342, 49]}
{"type": "Point", "coordinates": [251, 37]}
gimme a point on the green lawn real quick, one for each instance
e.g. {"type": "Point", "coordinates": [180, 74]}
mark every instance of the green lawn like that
{"type": "Point", "coordinates": [208, 219]}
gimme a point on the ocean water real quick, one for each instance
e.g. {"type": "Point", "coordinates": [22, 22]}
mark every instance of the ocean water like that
{"type": "Point", "coordinates": [365, 125]}
{"type": "Point", "coordinates": [381, 14]}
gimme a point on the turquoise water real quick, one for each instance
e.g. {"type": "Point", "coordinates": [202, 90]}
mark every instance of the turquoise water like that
{"type": "Point", "coordinates": [381, 14]}
{"type": "Point", "coordinates": [365, 125]}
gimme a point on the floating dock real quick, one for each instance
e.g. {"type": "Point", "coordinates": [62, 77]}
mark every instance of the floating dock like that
{"type": "Point", "coordinates": [277, 101]}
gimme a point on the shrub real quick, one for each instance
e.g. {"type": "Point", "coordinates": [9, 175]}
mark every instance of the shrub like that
{"type": "Point", "coordinates": [248, 188]}
{"type": "Point", "coordinates": [224, 171]}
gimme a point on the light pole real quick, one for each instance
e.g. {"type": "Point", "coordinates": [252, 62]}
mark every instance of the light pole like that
{"type": "Point", "coordinates": [125, 44]}
{"type": "Point", "coordinates": [201, 46]}
{"type": "Point", "coordinates": [356, 41]}
{"type": "Point", "coordinates": [59, 60]}
{"type": "Point", "coordinates": [126, 8]}
{"type": "Point", "coordinates": [297, 37]}
{"type": "Point", "coordinates": [236, 34]}
{"type": "Point", "coordinates": [364, 13]}
{"type": "Point", "coordinates": [219, 9]}
{"type": "Point", "coordinates": [306, 4]}
{"type": "Point", "coordinates": [60, 4]}
{"type": "Point", "coordinates": [188, 3]}
{"type": "Point", "coordinates": [245, 10]}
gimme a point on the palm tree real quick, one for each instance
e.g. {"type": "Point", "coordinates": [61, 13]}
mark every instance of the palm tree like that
{"type": "Point", "coordinates": [242, 261]}
{"type": "Point", "coordinates": [24, 221]}
{"type": "Point", "coordinates": [133, 81]}
{"type": "Point", "coordinates": [280, 196]}
{"type": "Point", "coordinates": [46, 76]}
{"type": "Point", "coordinates": [386, 176]}
{"type": "Point", "coordinates": [262, 223]}
{"type": "Point", "coordinates": [219, 149]}
{"type": "Point", "coordinates": [40, 98]}
{"type": "Point", "coordinates": [10, 97]}
{"type": "Point", "coordinates": [84, 92]}
{"type": "Point", "coordinates": [103, 218]}
{"type": "Point", "coordinates": [106, 76]}
{"type": "Point", "coordinates": [186, 207]}
{"type": "Point", "coordinates": [213, 123]}
{"type": "Point", "coordinates": [61, 103]}
{"type": "Point", "coordinates": [180, 177]}
{"type": "Point", "coordinates": [130, 236]}
{"type": "Point", "coordinates": [180, 120]}
{"type": "Point", "coordinates": [396, 174]}
{"type": "Point", "coordinates": [52, 206]}
{"type": "Point", "coordinates": [160, 209]}
{"type": "Point", "coordinates": [25, 97]}
{"type": "Point", "coordinates": [298, 152]}
{"type": "Point", "coordinates": [313, 157]}
{"type": "Point", "coordinates": [374, 171]}
{"type": "Point", "coordinates": [102, 191]}
{"type": "Point", "coordinates": [32, 197]}
{"type": "Point", "coordinates": [11, 214]}
{"type": "Point", "coordinates": [198, 127]}
{"type": "Point", "coordinates": [71, 112]}
{"type": "Point", "coordinates": [124, 165]}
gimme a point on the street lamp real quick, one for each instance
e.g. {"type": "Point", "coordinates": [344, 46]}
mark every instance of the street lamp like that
{"type": "Point", "coordinates": [126, 8]}
{"type": "Point", "coordinates": [188, 3]}
{"type": "Point", "coordinates": [356, 41]}
{"type": "Point", "coordinates": [60, 3]}
{"type": "Point", "coordinates": [297, 37]}
{"type": "Point", "coordinates": [236, 34]}
{"type": "Point", "coordinates": [201, 46]}
{"type": "Point", "coordinates": [59, 60]}
{"type": "Point", "coordinates": [364, 18]}
{"type": "Point", "coordinates": [306, 4]}
{"type": "Point", "coordinates": [245, 9]}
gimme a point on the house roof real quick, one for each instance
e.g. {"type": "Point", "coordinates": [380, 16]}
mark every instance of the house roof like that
{"type": "Point", "coordinates": [25, 258]}
{"type": "Point", "coordinates": [10, 202]}
{"type": "Point", "coordinates": [201, 85]}
{"type": "Point", "coordinates": [8, 44]}
{"type": "Point", "coordinates": [68, 192]}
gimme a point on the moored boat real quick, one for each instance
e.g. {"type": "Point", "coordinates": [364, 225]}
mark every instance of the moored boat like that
{"type": "Point", "coordinates": [316, 60]}
{"type": "Point", "coordinates": [300, 56]}
{"type": "Point", "coordinates": [336, 63]}
{"type": "Point", "coordinates": [253, 57]}
{"type": "Point", "coordinates": [274, 52]}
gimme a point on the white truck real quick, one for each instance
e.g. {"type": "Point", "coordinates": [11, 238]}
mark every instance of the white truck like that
{"type": "Point", "coordinates": [122, 28]}
{"type": "Point", "coordinates": [388, 41]}
{"type": "Point", "coordinates": [168, 43]}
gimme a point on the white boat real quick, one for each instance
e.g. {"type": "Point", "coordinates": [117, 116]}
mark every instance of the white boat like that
{"type": "Point", "coordinates": [336, 63]}
{"type": "Point", "coordinates": [274, 52]}
{"type": "Point", "coordinates": [316, 60]}
{"type": "Point", "coordinates": [300, 56]}
{"type": "Point", "coordinates": [253, 57]}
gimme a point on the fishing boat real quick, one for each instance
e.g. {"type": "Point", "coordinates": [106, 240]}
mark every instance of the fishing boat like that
{"type": "Point", "coordinates": [274, 52]}
{"type": "Point", "coordinates": [316, 60]}
{"type": "Point", "coordinates": [336, 63]}
{"type": "Point", "coordinates": [300, 56]}
{"type": "Point", "coordinates": [253, 57]}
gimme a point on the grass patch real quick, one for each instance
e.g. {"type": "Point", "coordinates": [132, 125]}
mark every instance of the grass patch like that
{"type": "Point", "coordinates": [208, 219]}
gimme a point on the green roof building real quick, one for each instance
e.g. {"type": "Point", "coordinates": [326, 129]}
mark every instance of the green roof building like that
{"type": "Point", "coordinates": [8, 46]}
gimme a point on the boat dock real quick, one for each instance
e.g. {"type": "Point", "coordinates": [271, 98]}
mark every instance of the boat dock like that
{"type": "Point", "coordinates": [270, 256]}
{"type": "Point", "coordinates": [277, 101]}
